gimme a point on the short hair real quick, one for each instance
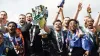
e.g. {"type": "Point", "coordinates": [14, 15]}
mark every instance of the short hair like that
{"type": "Point", "coordinates": [1, 33]}
{"type": "Point", "coordinates": [87, 17]}
{"type": "Point", "coordinates": [57, 21]}
{"type": "Point", "coordinates": [4, 12]}
{"type": "Point", "coordinates": [74, 21]}
{"type": "Point", "coordinates": [29, 13]}
{"type": "Point", "coordinates": [91, 19]}
{"type": "Point", "coordinates": [22, 15]}
{"type": "Point", "coordinates": [11, 23]}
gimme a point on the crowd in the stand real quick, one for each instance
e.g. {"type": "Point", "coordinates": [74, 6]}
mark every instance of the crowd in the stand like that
{"type": "Point", "coordinates": [66, 38]}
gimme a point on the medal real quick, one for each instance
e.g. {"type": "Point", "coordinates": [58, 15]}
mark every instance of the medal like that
{"type": "Point", "coordinates": [7, 50]}
{"type": "Point", "coordinates": [70, 52]}
{"type": "Point", "coordinates": [11, 39]}
{"type": "Point", "coordinates": [32, 34]}
{"type": "Point", "coordinates": [60, 48]}
{"type": "Point", "coordinates": [31, 44]}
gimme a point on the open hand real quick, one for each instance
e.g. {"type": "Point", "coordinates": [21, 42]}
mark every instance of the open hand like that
{"type": "Point", "coordinates": [79, 6]}
{"type": "Point", "coordinates": [79, 33]}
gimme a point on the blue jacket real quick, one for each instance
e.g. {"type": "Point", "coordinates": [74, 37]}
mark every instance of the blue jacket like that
{"type": "Point", "coordinates": [75, 41]}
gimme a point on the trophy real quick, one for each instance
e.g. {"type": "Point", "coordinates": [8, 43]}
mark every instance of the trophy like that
{"type": "Point", "coordinates": [89, 10]}
{"type": "Point", "coordinates": [40, 14]}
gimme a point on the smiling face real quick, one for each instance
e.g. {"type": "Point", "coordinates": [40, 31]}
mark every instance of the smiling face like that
{"type": "Point", "coordinates": [72, 25]}
{"type": "Point", "coordinates": [58, 25]}
{"type": "Point", "coordinates": [29, 17]}
{"type": "Point", "coordinates": [22, 19]}
{"type": "Point", "coordinates": [89, 23]}
{"type": "Point", "coordinates": [85, 20]}
{"type": "Point", "coordinates": [11, 28]}
{"type": "Point", "coordinates": [3, 16]}
{"type": "Point", "coordinates": [65, 22]}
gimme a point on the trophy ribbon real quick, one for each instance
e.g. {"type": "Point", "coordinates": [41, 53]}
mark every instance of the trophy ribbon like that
{"type": "Point", "coordinates": [17, 51]}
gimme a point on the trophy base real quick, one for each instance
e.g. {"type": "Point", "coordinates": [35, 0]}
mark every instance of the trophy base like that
{"type": "Point", "coordinates": [43, 33]}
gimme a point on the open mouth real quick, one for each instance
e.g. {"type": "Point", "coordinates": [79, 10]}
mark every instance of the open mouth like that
{"type": "Point", "coordinates": [57, 27]}
{"type": "Point", "coordinates": [11, 30]}
{"type": "Point", "coordinates": [21, 21]}
{"type": "Point", "coordinates": [29, 20]}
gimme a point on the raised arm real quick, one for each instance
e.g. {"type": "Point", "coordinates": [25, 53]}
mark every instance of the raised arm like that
{"type": "Point", "coordinates": [97, 20]}
{"type": "Point", "coordinates": [78, 10]}
{"type": "Point", "coordinates": [57, 14]}
{"type": "Point", "coordinates": [96, 23]}
{"type": "Point", "coordinates": [46, 28]}
{"type": "Point", "coordinates": [97, 28]}
{"type": "Point", "coordinates": [62, 14]}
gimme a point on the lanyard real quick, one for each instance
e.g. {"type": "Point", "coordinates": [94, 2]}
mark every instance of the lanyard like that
{"type": "Point", "coordinates": [32, 34]}
{"type": "Point", "coordinates": [90, 34]}
{"type": "Point", "coordinates": [17, 52]}
{"type": "Point", "coordinates": [70, 37]}
{"type": "Point", "coordinates": [60, 49]}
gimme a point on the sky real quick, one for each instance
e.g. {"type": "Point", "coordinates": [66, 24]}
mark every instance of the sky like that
{"type": "Point", "coordinates": [16, 7]}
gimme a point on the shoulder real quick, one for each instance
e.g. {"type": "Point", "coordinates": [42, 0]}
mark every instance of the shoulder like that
{"type": "Point", "coordinates": [52, 31]}
{"type": "Point", "coordinates": [6, 38]}
{"type": "Point", "coordinates": [36, 27]}
{"type": "Point", "coordinates": [5, 35]}
{"type": "Point", "coordinates": [65, 32]}
{"type": "Point", "coordinates": [82, 28]}
{"type": "Point", "coordinates": [18, 25]}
